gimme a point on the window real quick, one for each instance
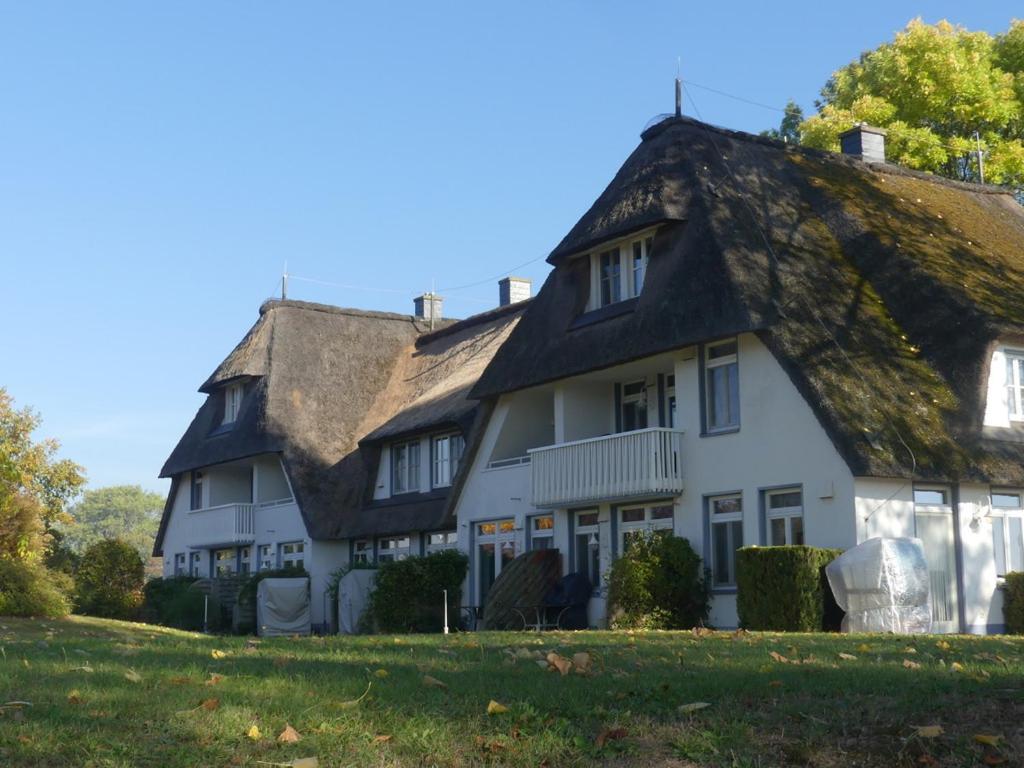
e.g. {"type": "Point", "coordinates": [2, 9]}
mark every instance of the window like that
{"type": "Point", "coordinates": [722, 387]}
{"type": "Point", "coordinates": [394, 548]}
{"type": "Point", "coordinates": [447, 455]}
{"type": "Point", "coordinates": [636, 521]}
{"type": "Point", "coordinates": [362, 551]}
{"type": "Point", "coordinates": [405, 467]}
{"type": "Point", "coordinates": [438, 542]}
{"type": "Point", "coordinates": [785, 511]}
{"type": "Point", "coordinates": [641, 251]}
{"type": "Point", "coordinates": [266, 553]}
{"type": "Point", "coordinates": [196, 498]}
{"type": "Point", "coordinates": [496, 547]}
{"type": "Point", "coordinates": [726, 526]}
{"type": "Point", "coordinates": [1015, 386]}
{"type": "Point", "coordinates": [542, 532]}
{"type": "Point", "coordinates": [588, 547]}
{"type": "Point", "coordinates": [634, 406]}
{"type": "Point", "coordinates": [1007, 532]}
{"type": "Point", "coordinates": [179, 564]}
{"type": "Point", "coordinates": [193, 565]}
{"type": "Point", "coordinates": [932, 497]}
{"type": "Point", "coordinates": [670, 401]}
{"type": "Point", "coordinates": [293, 554]}
{"type": "Point", "coordinates": [611, 280]}
{"type": "Point", "coordinates": [232, 402]}
{"type": "Point", "coordinates": [244, 559]}
{"type": "Point", "coordinates": [224, 562]}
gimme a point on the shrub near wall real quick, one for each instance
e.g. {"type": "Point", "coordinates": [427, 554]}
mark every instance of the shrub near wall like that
{"type": "Point", "coordinates": [109, 580]}
{"type": "Point", "coordinates": [783, 588]}
{"type": "Point", "coordinates": [29, 589]}
{"type": "Point", "coordinates": [172, 602]}
{"type": "Point", "coordinates": [1013, 603]}
{"type": "Point", "coordinates": [408, 594]}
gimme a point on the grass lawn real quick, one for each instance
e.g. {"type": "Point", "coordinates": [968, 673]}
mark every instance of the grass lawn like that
{"type": "Point", "coordinates": [107, 693]}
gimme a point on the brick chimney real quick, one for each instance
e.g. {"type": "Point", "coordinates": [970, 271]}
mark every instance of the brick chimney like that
{"type": "Point", "coordinates": [428, 306]}
{"type": "Point", "coordinates": [512, 290]}
{"type": "Point", "coordinates": [864, 141]}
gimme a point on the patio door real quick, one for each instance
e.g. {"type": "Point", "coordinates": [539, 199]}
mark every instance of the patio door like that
{"type": "Point", "coordinates": [495, 547]}
{"type": "Point", "coordinates": [933, 517]}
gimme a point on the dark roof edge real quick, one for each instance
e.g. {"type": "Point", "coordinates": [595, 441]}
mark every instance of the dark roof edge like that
{"type": "Point", "coordinates": [469, 322]}
{"type": "Point", "coordinates": [560, 254]}
{"type": "Point", "coordinates": [164, 472]}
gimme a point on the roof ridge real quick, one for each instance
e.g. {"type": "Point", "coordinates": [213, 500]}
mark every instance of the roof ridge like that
{"type": "Point", "coordinates": [331, 309]}
{"type": "Point", "coordinates": [477, 319]}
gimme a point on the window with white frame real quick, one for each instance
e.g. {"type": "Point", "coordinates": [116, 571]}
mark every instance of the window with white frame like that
{"type": "Point", "coordinates": [542, 531]}
{"type": "Point", "coordinates": [179, 564]}
{"type": "Point", "coordinates": [193, 564]}
{"type": "Point", "coordinates": [442, 540]}
{"type": "Point", "coordinates": [721, 386]}
{"type": "Point", "coordinates": [196, 491]}
{"type": "Point", "coordinates": [725, 521]}
{"type": "Point", "coordinates": [266, 556]}
{"type": "Point", "coordinates": [495, 548]}
{"type": "Point", "coordinates": [362, 551]}
{"type": "Point", "coordinates": [635, 522]}
{"type": "Point", "coordinates": [293, 554]}
{"type": "Point", "coordinates": [634, 406]}
{"type": "Point", "coordinates": [393, 548]}
{"type": "Point", "coordinates": [619, 271]}
{"type": "Point", "coordinates": [670, 401]}
{"type": "Point", "coordinates": [1015, 385]}
{"type": "Point", "coordinates": [1007, 532]}
{"type": "Point", "coordinates": [447, 453]}
{"type": "Point", "coordinates": [232, 402]}
{"type": "Point", "coordinates": [405, 467]}
{"type": "Point", "coordinates": [784, 509]}
{"type": "Point", "coordinates": [244, 559]}
{"type": "Point", "coordinates": [588, 546]}
{"type": "Point", "coordinates": [223, 562]}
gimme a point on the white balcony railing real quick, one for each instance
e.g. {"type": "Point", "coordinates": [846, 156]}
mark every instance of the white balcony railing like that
{"type": "Point", "coordinates": [224, 525]}
{"type": "Point", "coordinates": [646, 462]}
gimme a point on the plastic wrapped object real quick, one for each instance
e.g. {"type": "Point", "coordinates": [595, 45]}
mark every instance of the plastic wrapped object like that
{"type": "Point", "coordinates": [882, 584]}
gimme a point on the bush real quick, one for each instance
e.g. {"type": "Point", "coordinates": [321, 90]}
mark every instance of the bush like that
{"type": "Point", "coordinates": [1013, 603]}
{"type": "Point", "coordinates": [657, 584]}
{"type": "Point", "coordinates": [783, 588]}
{"type": "Point", "coordinates": [407, 596]}
{"type": "Point", "coordinates": [173, 602]}
{"type": "Point", "coordinates": [30, 589]}
{"type": "Point", "coordinates": [109, 580]}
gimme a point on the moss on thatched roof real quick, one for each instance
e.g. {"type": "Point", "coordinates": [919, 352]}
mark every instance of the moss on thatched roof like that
{"type": "Point", "coordinates": [886, 290]}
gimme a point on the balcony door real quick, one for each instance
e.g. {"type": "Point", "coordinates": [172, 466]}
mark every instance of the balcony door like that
{"type": "Point", "coordinates": [933, 516]}
{"type": "Point", "coordinates": [495, 548]}
{"type": "Point", "coordinates": [633, 409]}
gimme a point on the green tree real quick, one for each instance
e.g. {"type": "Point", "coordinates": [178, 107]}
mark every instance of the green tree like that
{"type": "Point", "coordinates": [932, 88]}
{"type": "Point", "coordinates": [789, 127]}
{"type": "Point", "coordinates": [109, 580]}
{"type": "Point", "coordinates": [125, 512]}
{"type": "Point", "coordinates": [35, 486]}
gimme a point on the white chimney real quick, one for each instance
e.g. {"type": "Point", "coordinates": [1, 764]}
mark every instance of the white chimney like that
{"type": "Point", "coordinates": [428, 306]}
{"type": "Point", "coordinates": [512, 290]}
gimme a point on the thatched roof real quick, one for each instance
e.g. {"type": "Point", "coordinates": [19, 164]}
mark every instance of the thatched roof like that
{"type": "Point", "coordinates": [324, 378]}
{"type": "Point", "coordinates": [914, 276]}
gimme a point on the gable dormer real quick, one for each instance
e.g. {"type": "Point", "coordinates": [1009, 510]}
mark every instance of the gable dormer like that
{"type": "Point", "coordinates": [618, 269]}
{"type": "Point", "coordinates": [1004, 402]}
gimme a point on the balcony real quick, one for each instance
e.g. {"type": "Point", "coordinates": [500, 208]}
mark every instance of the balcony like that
{"type": "Point", "coordinates": [646, 462]}
{"type": "Point", "coordinates": [223, 526]}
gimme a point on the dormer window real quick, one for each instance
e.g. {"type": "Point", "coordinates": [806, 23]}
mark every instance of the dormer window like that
{"type": "Point", "coordinates": [618, 272]}
{"type": "Point", "coordinates": [447, 453]}
{"type": "Point", "coordinates": [1015, 385]}
{"type": "Point", "coordinates": [405, 467]}
{"type": "Point", "coordinates": [232, 402]}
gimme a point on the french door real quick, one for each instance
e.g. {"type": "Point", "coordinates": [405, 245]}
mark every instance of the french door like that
{"type": "Point", "coordinates": [935, 529]}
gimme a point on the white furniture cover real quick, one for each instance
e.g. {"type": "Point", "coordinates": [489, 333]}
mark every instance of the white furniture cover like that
{"type": "Point", "coordinates": [282, 607]}
{"type": "Point", "coordinates": [883, 585]}
{"type": "Point", "coordinates": [353, 595]}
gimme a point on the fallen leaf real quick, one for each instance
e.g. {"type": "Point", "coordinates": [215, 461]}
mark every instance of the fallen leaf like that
{"type": "Point", "coordinates": [989, 740]}
{"type": "Point", "coordinates": [562, 664]}
{"type": "Point", "coordinates": [289, 735]}
{"type": "Point", "coordinates": [74, 697]}
{"type": "Point", "coordinates": [687, 709]}
{"type": "Point", "coordinates": [847, 656]}
{"type": "Point", "coordinates": [178, 680]}
{"type": "Point", "coordinates": [210, 704]}
{"type": "Point", "coordinates": [928, 731]}
{"type": "Point", "coordinates": [610, 734]}
{"type": "Point", "coordinates": [433, 682]}
{"type": "Point", "coordinates": [864, 648]}
{"type": "Point", "coordinates": [217, 654]}
{"type": "Point", "coordinates": [381, 673]}
{"type": "Point", "coordinates": [779, 657]}
{"type": "Point", "coordinates": [254, 733]}
{"type": "Point", "coordinates": [956, 666]}
{"type": "Point", "coordinates": [384, 738]}
{"type": "Point", "coordinates": [214, 679]}
{"type": "Point", "coordinates": [775, 683]}
{"type": "Point", "coordinates": [494, 708]}
{"type": "Point", "coordinates": [991, 758]}
{"type": "Point", "coordinates": [942, 645]}
{"type": "Point", "coordinates": [133, 676]}
{"type": "Point", "coordinates": [582, 662]}
{"type": "Point", "coordinates": [911, 664]}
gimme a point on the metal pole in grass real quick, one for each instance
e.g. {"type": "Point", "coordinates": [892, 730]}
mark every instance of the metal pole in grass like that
{"type": "Point", "coordinates": [446, 611]}
{"type": "Point", "coordinates": [206, 613]}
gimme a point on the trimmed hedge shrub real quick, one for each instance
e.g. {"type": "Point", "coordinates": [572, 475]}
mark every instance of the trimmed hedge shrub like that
{"type": "Point", "coordinates": [407, 596]}
{"type": "Point", "coordinates": [30, 589]}
{"type": "Point", "coordinates": [658, 583]}
{"type": "Point", "coordinates": [173, 602]}
{"type": "Point", "coordinates": [783, 588]}
{"type": "Point", "coordinates": [1013, 603]}
{"type": "Point", "coordinates": [109, 580]}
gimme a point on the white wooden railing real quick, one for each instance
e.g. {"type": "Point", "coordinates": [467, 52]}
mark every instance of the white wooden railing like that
{"type": "Point", "coordinates": [225, 524]}
{"type": "Point", "coordinates": [646, 462]}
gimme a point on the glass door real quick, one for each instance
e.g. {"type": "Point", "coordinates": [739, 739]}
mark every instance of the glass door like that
{"type": "Point", "coordinates": [933, 517]}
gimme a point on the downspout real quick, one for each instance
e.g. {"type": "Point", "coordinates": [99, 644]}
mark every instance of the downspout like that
{"type": "Point", "coordinates": [958, 552]}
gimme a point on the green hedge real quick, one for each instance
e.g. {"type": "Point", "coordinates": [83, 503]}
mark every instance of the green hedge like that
{"type": "Point", "coordinates": [783, 588]}
{"type": "Point", "coordinates": [1013, 603]}
{"type": "Point", "coordinates": [657, 584]}
{"type": "Point", "coordinates": [407, 596]}
{"type": "Point", "coordinates": [172, 602]}
{"type": "Point", "coordinates": [30, 589]}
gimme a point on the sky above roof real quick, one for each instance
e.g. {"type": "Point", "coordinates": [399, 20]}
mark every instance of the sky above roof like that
{"type": "Point", "coordinates": [160, 163]}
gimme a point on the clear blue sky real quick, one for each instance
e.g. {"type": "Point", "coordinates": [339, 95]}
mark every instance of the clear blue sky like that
{"type": "Point", "coordinates": [160, 162]}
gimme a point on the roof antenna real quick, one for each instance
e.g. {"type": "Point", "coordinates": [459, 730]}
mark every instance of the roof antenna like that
{"type": "Point", "coordinates": [284, 282]}
{"type": "Point", "coordinates": [679, 88]}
